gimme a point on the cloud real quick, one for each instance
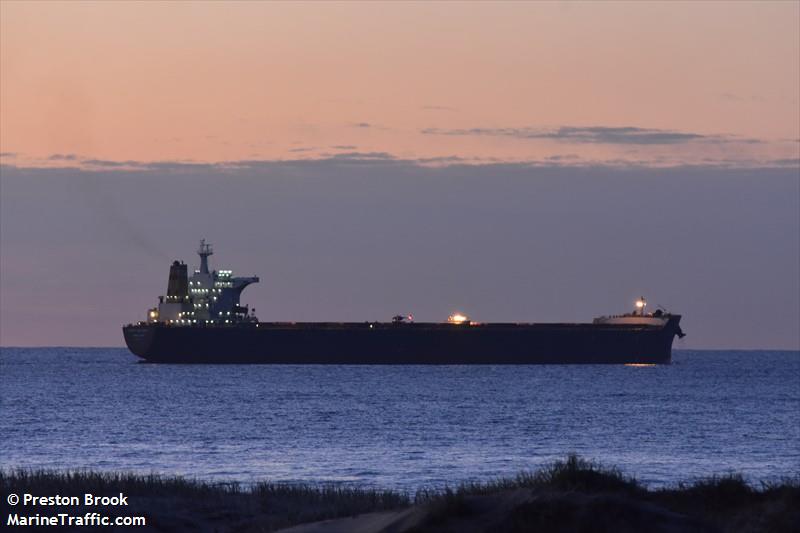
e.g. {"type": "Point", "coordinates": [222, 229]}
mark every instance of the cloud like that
{"type": "Point", "coordinates": [364, 156]}
{"type": "Point", "coordinates": [443, 160]}
{"type": "Point", "coordinates": [563, 157]}
{"type": "Point", "coordinates": [791, 162]}
{"type": "Point", "coordinates": [730, 96]}
{"type": "Point", "coordinates": [347, 155]}
{"type": "Point", "coordinates": [105, 163]}
{"type": "Point", "coordinates": [368, 125]}
{"type": "Point", "coordinates": [629, 135]}
{"type": "Point", "coordinates": [344, 147]}
{"type": "Point", "coordinates": [8, 154]}
{"type": "Point", "coordinates": [383, 160]}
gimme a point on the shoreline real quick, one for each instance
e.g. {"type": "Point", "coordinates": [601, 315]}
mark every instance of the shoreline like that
{"type": "Point", "coordinates": [569, 495]}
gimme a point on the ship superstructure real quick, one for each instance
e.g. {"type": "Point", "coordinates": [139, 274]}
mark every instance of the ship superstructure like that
{"type": "Point", "coordinates": [207, 297]}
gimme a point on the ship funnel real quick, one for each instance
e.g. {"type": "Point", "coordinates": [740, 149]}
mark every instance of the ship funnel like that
{"type": "Point", "coordinates": [204, 251]}
{"type": "Point", "coordinates": [178, 286]}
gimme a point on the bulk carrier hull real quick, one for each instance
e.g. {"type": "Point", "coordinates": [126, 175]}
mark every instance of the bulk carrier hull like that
{"type": "Point", "coordinates": [403, 343]}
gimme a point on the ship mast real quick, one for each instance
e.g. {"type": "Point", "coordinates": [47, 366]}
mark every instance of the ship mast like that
{"type": "Point", "coordinates": [204, 251]}
{"type": "Point", "coordinates": [641, 303]}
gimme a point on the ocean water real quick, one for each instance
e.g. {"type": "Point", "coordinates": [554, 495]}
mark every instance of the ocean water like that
{"type": "Point", "coordinates": [400, 427]}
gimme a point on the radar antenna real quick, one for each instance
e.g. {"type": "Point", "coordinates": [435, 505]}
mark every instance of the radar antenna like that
{"type": "Point", "coordinates": [204, 251]}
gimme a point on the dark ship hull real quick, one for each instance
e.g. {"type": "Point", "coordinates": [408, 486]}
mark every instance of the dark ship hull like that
{"type": "Point", "coordinates": [404, 343]}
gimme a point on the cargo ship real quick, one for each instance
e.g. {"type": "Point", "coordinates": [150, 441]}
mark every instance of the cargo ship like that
{"type": "Point", "coordinates": [201, 320]}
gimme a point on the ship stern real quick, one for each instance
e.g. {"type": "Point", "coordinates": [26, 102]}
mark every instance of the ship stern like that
{"type": "Point", "coordinates": [139, 339]}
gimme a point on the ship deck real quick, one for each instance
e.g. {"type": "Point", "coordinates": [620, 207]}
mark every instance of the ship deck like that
{"type": "Point", "coordinates": [405, 326]}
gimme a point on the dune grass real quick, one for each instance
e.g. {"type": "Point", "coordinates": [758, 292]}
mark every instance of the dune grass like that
{"type": "Point", "coordinates": [574, 473]}
{"type": "Point", "coordinates": [574, 493]}
{"type": "Point", "coordinates": [177, 503]}
{"type": "Point", "coordinates": [581, 495]}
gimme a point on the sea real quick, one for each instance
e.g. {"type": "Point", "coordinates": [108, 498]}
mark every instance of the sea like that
{"type": "Point", "coordinates": [400, 427]}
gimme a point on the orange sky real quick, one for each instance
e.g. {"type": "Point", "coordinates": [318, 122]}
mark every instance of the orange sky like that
{"type": "Point", "coordinates": [217, 82]}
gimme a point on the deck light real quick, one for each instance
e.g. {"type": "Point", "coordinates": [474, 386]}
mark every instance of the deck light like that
{"type": "Point", "coordinates": [457, 318]}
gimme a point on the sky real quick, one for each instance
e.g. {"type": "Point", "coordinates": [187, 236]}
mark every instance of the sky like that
{"type": "Point", "coordinates": [514, 161]}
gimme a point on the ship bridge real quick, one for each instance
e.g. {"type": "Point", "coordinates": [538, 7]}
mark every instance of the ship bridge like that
{"type": "Point", "coordinates": [205, 297]}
